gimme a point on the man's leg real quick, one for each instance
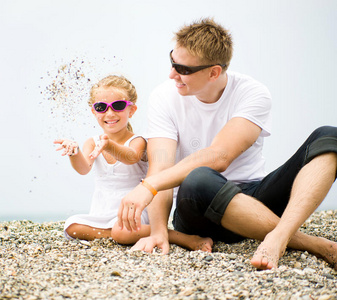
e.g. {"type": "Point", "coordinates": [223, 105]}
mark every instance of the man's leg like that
{"type": "Point", "coordinates": [305, 180]}
{"type": "Point", "coordinates": [310, 188]}
{"type": "Point", "coordinates": [196, 213]}
{"type": "Point", "coordinates": [251, 218]}
{"type": "Point", "coordinates": [199, 212]}
{"type": "Point", "coordinates": [245, 215]}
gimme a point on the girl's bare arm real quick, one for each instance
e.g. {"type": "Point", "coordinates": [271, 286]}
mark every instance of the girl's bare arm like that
{"type": "Point", "coordinates": [127, 155]}
{"type": "Point", "coordinates": [79, 160]}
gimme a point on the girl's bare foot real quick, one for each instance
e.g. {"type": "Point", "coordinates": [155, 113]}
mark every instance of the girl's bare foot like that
{"type": "Point", "coordinates": [203, 244]}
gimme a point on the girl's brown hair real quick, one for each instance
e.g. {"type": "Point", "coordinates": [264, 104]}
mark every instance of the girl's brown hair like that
{"type": "Point", "coordinates": [121, 84]}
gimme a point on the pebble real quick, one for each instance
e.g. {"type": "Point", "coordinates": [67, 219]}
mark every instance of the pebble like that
{"type": "Point", "coordinates": [208, 258]}
{"type": "Point", "coordinates": [37, 262]}
{"type": "Point", "coordinates": [47, 247]}
{"type": "Point", "coordinates": [232, 256]}
{"type": "Point", "coordinates": [329, 276]}
{"type": "Point", "coordinates": [86, 243]}
{"type": "Point", "coordinates": [309, 270]}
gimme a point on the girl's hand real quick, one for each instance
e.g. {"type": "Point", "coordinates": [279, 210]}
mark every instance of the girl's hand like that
{"type": "Point", "coordinates": [101, 145]}
{"type": "Point", "coordinates": [69, 147]}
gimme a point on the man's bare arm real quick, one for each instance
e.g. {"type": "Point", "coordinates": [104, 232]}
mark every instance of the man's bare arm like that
{"type": "Point", "coordinates": [235, 138]}
{"type": "Point", "coordinates": [161, 155]}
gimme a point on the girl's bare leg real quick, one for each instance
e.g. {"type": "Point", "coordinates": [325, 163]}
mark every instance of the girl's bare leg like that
{"type": "Point", "coordinates": [85, 232]}
{"type": "Point", "coordinates": [191, 242]}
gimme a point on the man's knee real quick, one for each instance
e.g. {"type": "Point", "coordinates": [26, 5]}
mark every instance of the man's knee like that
{"type": "Point", "coordinates": [197, 192]}
{"type": "Point", "coordinates": [325, 131]}
{"type": "Point", "coordinates": [202, 181]}
{"type": "Point", "coordinates": [197, 178]}
{"type": "Point", "coordinates": [324, 141]}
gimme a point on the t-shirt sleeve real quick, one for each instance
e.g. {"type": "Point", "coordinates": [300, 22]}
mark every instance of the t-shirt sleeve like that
{"type": "Point", "coordinates": [255, 106]}
{"type": "Point", "coordinates": [161, 122]}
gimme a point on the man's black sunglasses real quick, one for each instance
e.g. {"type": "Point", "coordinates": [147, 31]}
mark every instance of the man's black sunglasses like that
{"type": "Point", "coordinates": [185, 70]}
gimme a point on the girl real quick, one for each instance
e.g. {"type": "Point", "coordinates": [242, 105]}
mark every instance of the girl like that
{"type": "Point", "coordinates": [119, 159]}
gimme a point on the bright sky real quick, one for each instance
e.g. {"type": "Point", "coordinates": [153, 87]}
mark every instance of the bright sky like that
{"type": "Point", "coordinates": [290, 46]}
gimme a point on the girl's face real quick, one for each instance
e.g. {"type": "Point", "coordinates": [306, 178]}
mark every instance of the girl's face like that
{"type": "Point", "coordinates": [112, 121]}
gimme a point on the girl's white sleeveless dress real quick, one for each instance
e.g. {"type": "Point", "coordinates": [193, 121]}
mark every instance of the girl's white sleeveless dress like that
{"type": "Point", "coordinates": [112, 183]}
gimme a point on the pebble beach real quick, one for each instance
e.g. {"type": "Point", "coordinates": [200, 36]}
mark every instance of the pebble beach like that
{"type": "Point", "coordinates": [37, 262]}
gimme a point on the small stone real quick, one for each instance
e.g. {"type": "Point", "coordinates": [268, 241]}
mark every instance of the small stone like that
{"type": "Point", "coordinates": [47, 247]}
{"type": "Point", "coordinates": [104, 260]}
{"type": "Point", "coordinates": [326, 297]}
{"type": "Point", "coordinates": [208, 258]}
{"type": "Point", "coordinates": [232, 256]}
{"type": "Point", "coordinates": [187, 292]}
{"type": "Point", "coordinates": [239, 274]}
{"type": "Point", "coordinates": [299, 272]}
{"type": "Point", "coordinates": [115, 273]}
{"type": "Point", "coordinates": [84, 242]}
{"type": "Point", "coordinates": [309, 270]}
{"type": "Point", "coordinates": [297, 265]}
{"type": "Point", "coordinates": [329, 276]}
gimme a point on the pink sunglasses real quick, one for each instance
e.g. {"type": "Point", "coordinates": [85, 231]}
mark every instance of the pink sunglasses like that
{"type": "Point", "coordinates": [118, 105]}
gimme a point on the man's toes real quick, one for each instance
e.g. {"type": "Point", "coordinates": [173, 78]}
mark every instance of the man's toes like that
{"type": "Point", "coordinates": [264, 262]}
{"type": "Point", "coordinates": [256, 262]}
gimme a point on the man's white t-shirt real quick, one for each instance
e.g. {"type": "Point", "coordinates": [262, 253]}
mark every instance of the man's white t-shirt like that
{"type": "Point", "coordinates": [194, 124]}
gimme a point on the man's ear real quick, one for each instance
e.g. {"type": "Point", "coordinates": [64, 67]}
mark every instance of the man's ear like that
{"type": "Point", "coordinates": [216, 71]}
{"type": "Point", "coordinates": [132, 110]}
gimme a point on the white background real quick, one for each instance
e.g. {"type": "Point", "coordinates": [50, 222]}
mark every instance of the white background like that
{"type": "Point", "coordinates": [290, 46]}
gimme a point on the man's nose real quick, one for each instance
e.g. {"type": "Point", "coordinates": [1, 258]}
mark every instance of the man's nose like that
{"type": "Point", "coordinates": [173, 73]}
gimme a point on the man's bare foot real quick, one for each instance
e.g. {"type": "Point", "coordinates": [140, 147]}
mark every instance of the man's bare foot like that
{"type": "Point", "coordinates": [262, 260]}
{"type": "Point", "coordinates": [203, 244]}
{"type": "Point", "coordinates": [270, 251]}
{"type": "Point", "coordinates": [267, 254]}
{"type": "Point", "coordinates": [327, 251]}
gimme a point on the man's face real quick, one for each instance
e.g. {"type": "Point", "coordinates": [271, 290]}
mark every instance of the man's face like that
{"type": "Point", "coordinates": [194, 84]}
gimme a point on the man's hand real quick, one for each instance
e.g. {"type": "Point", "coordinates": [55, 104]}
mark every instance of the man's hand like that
{"type": "Point", "coordinates": [131, 207]}
{"type": "Point", "coordinates": [101, 145]}
{"type": "Point", "coordinates": [148, 243]}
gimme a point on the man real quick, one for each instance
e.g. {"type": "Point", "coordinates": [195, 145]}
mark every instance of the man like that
{"type": "Point", "coordinates": [206, 131]}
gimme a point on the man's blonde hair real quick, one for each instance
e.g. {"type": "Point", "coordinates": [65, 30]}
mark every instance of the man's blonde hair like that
{"type": "Point", "coordinates": [207, 40]}
{"type": "Point", "coordinates": [121, 84]}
